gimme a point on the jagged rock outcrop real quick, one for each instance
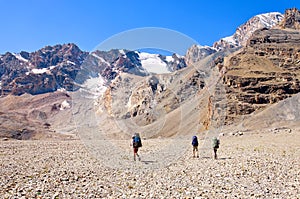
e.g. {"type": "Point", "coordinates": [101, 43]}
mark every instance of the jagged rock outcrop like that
{"type": "Point", "coordinates": [45, 70]}
{"type": "Point", "coordinates": [195, 53]}
{"type": "Point", "coordinates": [174, 62]}
{"type": "Point", "coordinates": [291, 19]}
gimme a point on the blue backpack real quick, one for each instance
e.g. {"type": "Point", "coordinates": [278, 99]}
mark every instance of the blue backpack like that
{"type": "Point", "coordinates": [195, 141]}
{"type": "Point", "coordinates": [137, 142]}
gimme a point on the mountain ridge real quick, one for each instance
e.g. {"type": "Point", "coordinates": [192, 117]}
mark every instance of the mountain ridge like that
{"type": "Point", "coordinates": [220, 88]}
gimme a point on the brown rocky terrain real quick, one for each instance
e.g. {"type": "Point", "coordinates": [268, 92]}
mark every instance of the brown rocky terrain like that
{"type": "Point", "coordinates": [264, 72]}
{"type": "Point", "coordinates": [35, 116]}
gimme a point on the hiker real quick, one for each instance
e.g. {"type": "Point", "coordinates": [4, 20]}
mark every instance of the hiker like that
{"type": "Point", "coordinates": [195, 146]}
{"type": "Point", "coordinates": [136, 143]}
{"type": "Point", "coordinates": [215, 145]}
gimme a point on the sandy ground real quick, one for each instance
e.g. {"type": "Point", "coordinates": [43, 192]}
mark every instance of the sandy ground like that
{"type": "Point", "coordinates": [265, 165]}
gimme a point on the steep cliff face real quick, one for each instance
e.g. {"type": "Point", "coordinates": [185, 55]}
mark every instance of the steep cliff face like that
{"type": "Point", "coordinates": [264, 72]}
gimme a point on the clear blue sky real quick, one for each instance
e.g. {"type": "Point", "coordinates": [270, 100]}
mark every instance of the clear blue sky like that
{"type": "Point", "coordinates": [32, 24]}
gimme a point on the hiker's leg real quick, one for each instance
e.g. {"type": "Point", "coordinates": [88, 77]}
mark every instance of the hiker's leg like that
{"type": "Point", "coordinates": [215, 152]}
{"type": "Point", "coordinates": [137, 150]}
{"type": "Point", "coordinates": [134, 153]}
{"type": "Point", "coordinates": [197, 152]}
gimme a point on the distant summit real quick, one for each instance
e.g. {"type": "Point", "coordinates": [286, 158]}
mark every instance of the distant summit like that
{"type": "Point", "coordinates": [238, 39]}
{"type": "Point", "coordinates": [244, 32]}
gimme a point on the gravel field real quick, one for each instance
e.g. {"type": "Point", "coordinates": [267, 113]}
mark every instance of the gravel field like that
{"type": "Point", "coordinates": [249, 166]}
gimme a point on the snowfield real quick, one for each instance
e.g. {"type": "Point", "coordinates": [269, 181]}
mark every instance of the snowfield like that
{"type": "Point", "coordinates": [153, 64]}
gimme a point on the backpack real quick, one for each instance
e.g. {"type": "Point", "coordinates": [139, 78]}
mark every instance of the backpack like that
{"type": "Point", "coordinates": [215, 143]}
{"type": "Point", "coordinates": [195, 141]}
{"type": "Point", "coordinates": [137, 142]}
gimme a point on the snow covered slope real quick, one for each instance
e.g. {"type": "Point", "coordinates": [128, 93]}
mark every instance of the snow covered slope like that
{"type": "Point", "coordinates": [152, 63]}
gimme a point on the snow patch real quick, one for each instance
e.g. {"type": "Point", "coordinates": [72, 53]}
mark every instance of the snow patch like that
{"type": "Point", "coordinates": [229, 39]}
{"type": "Point", "coordinates": [100, 58]}
{"type": "Point", "coordinates": [40, 70]}
{"type": "Point", "coordinates": [70, 62]}
{"type": "Point", "coordinates": [153, 64]}
{"type": "Point", "coordinates": [122, 51]}
{"type": "Point", "coordinates": [65, 105]}
{"type": "Point", "coordinates": [200, 48]}
{"type": "Point", "coordinates": [61, 90]}
{"type": "Point", "coordinates": [169, 59]}
{"type": "Point", "coordinates": [94, 87]}
{"type": "Point", "coordinates": [19, 57]}
{"type": "Point", "coordinates": [271, 19]}
{"type": "Point", "coordinates": [180, 56]}
{"type": "Point", "coordinates": [52, 67]}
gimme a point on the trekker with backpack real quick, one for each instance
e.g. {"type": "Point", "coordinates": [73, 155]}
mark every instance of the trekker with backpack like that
{"type": "Point", "coordinates": [215, 145]}
{"type": "Point", "coordinates": [136, 143]}
{"type": "Point", "coordinates": [195, 146]}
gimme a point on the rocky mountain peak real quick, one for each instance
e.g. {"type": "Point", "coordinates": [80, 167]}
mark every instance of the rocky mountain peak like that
{"type": "Point", "coordinates": [195, 53]}
{"type": "Point", "coordinates": [291, 19]}
{"type": "Point", "coordinates": [238, 39]}
{"type": "Point", "coordinates": [245, 31]}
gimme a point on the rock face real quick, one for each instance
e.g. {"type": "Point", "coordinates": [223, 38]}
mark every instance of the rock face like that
{"type": "Point", "coordinates": [195, 53]}
{"type": "Point", "coordinates": [146, 100]}
{"type": "Point", "coordinates": [264, 72]}
{"type": "Point", "coordinates": [291, 19]}
{"type": "Point", "coordinates": [45, 70]}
